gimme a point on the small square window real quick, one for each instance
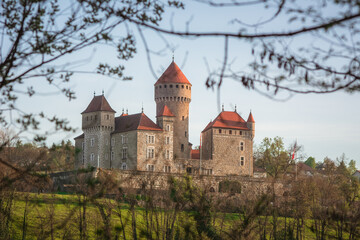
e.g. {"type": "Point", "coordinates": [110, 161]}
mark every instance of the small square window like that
{"type": "Point", "coordinates": [242, 161]}
{"type": "Point", "coordinates": [170, 85]}
{"type": "Point", "coordinates": [150, 153]}
{"type": "Point", "coordinates": [242, 146]}
{"type": "Point", "coordinates": [123, 166]}
{"type": "Point", "coordinates": [177, 86]}
{"type": "Point", "coordinates": [167, 169]}
{"type": "Point", "coordinates": [150, 168]}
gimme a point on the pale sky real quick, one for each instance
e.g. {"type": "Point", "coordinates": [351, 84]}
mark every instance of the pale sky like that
{"type": "Point", "coordinates": [326, 125]}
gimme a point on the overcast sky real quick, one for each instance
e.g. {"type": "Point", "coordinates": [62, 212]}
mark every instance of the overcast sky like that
{"type": "Point", "coordinates": [326, 125]}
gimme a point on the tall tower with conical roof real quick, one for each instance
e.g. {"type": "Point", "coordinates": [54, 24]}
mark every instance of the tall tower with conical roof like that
{"type": "Point", "coordinates": [173, 90]}
{"type": "Point", "coordinates": [97, 123]}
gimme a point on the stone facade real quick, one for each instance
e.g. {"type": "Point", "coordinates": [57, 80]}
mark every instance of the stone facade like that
{"type": "Point", "coordinates": [228, 151]}
{"type": "Point", "coordinates": [134, 142]}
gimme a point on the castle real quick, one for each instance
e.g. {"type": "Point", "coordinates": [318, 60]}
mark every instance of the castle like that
{"type": "Point", "coordinates": [135, 142]}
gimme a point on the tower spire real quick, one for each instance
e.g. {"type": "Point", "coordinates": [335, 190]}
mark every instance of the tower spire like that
{"type": "Point", "coordinates": [235, 108]}
{"type": "Point", "coordinates": [94, 93]}
{"type": "Point", "coordinates": [173, 55]}
{"type": "Point", "coordinates": [102, 92]}
{"type": "Point", "coordinates": [142, 107]}
{"type": "Point", "coordinates": [222, 107]}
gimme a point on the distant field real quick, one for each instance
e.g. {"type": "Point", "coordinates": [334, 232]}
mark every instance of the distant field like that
{"type": "Point", "coordinates": [57, 216]}
{"type": "Point", "coordinates": [63, 212]}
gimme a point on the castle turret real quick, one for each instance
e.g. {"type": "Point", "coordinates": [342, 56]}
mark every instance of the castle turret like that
{"type": "Point", "coordinates": [251, 124]}
{"type": "Point", "coordinates": [97, 123]}
{"type": "Point", "coordinates": [173, 89]}
{"type": "Point", "coordinates": [165, 119]}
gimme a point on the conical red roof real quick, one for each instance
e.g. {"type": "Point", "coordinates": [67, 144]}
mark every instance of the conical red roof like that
{"type": "Point", "coordinates": [251, 118]}
{"type": "Point", "coordinates": [173, 74]}
{"type": "Point", "coordinates": [98, 103]}
{"type": "Point", "coordinates": [165, 111]}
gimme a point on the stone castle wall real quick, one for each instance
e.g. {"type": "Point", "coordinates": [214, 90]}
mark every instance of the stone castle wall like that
{"type": "Point", "coordinates": [163, 150]}
{"type": "Point", "coordinates": [229, 152]}
{"type": "Point", "coordinates": [120, 141]}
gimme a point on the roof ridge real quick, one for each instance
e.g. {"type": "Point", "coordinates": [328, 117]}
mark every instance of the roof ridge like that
{"type": "Point", "coordinates": [98, 103]}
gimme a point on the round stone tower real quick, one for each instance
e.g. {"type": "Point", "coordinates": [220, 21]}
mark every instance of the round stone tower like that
{"type": "Point", "coordinates": [173, 89]}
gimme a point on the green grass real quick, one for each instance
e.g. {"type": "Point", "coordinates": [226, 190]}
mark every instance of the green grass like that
{"type": "Point", "coordinates": [64, 210]}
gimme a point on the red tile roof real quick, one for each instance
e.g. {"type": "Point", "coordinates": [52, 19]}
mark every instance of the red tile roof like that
{"type": "Point", "coordinates": [98, 103]}
{"type": "Point", "coordinates": [80, 136]}
{"type": "Point", "coordinates": [165, 111]}
{"type": "Point", "coordinates": [173, 74]}
{"type": "Point", "coordinates": [137, 121]}
{"type": "Point", "coordinates": [195, 154]}
{"type": "Point", "coordinates": [251, 118]}
{"type": "Point", "coordinates": [124, 114]}
{"type": "Point", "coordinates": [303, 167]}
{"type": "Point", "coordinates": [227, 119]}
